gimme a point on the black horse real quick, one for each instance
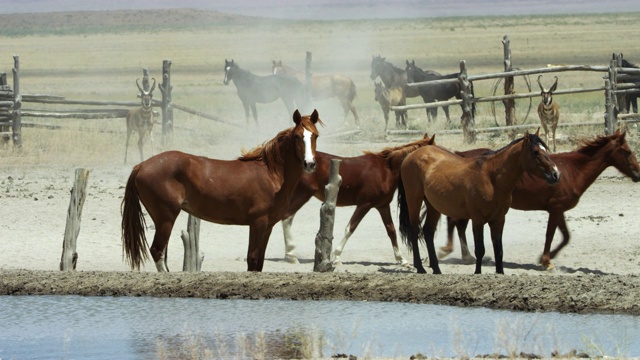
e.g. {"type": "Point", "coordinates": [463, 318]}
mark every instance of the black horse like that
{"type": "Point", "coordinates": [254, 89]}
{"type": "Point", "coordinates": [632, 98]}
{"type": "Point", "coordinates": [393, 76]}
{"type": "Point", "coordinates": [439, 92]}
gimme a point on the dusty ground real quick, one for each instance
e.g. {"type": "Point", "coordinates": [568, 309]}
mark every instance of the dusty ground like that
{"type": "Point", "coordinates": [597, 272]}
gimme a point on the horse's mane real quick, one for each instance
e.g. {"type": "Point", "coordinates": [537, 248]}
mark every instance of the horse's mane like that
{"type": "Point", "coordinates": [533, 140]}
{"type": "Point", "coordinates": [399, 152]}
{"type": "Point", "coordinates": [591, 146]}
{"type": "Point", "coordinates": [269, 152]}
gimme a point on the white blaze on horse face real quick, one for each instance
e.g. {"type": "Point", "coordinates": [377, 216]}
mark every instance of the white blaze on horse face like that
{"type": "Point", "coordinates": [226, 74]}
{"type": "Point", "coordinates": [308, 153]}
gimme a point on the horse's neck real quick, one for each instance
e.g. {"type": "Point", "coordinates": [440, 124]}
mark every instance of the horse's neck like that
{"type": "Point", "coordinates": [291, 169]}
{"type": "Point", "coordinates": [392, 76]}
{"type": "Point", "coordinates": [506, 166]}
{"type": "Point", "coordinates": [244, 77]}
{"type": "Point", "coordinates": [590, 167]}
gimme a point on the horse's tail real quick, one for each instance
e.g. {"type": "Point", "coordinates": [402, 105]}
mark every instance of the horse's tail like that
{"type": "Point", "coordinates": [404, 225]}
{"type": "Point", "coordinates": [134, 241]}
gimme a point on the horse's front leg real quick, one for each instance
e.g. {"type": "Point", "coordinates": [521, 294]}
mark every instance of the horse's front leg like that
{"type": "Point", "coordinates": [259, 233]}
{"type": "Point", "coordinates": [478, 241]}
{"type": "Point", "coordinates": [387, 220]}
{"type": "Point", "coordinates": [357, 216]}
{"type": "Point", "coordinates": [496, 228]}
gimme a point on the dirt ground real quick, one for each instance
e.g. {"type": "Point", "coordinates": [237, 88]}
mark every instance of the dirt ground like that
{"type": "Point", "coordinates": [596, 272]}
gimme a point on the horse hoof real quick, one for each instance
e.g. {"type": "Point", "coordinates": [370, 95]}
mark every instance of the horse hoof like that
{"type": "Point", "coordinates": [292, 259]}
{"type": "Point", "coordinates": [403, 263]}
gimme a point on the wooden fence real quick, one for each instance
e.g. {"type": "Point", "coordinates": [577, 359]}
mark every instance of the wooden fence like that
{"type": "Point", "coordinates": [11, 111]}
{"type": "Point", "coordinates": [614, 91]}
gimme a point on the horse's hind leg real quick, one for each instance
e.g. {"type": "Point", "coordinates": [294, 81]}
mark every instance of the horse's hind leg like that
{"type": "Point", "coordinates": [461, 226]}
{"type": "Point", "coordinates": [497, 227]}
{"type": "Point", "coordinates": [385, 214]}
{"type": "Point", "coordinates": [357, 216]}
{"type": "Point", "coordinates": [254, 110]}
{"type": "Point", "coordinates": [289, 244]}
{"type": "Point", "coordinates": [478, 240]}
{"type": "Point", "coordinates": [555, 221]}
{"type": "Point", "coordinates": [429, 229]}
{"type": "Point", "coordinates": [160, 242]}
{"type": "Point", "coordinates": [259, 233]}
{"type": "Point", "coordinates": [446, 113]}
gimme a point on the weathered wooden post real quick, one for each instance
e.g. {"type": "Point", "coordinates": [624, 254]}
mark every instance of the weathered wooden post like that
{"type": "Point", "coordinates": [16, 125]}
{"type": "Point", "coordinates": [74, 214]}
{"type": "Point", "coordinates": [167, 104]}
{"type": "Point", "coordinates": [191, 240]}
{"type": "Point", "coordinates": [509, 104]}
{"type": "Point", "coordinates": [324, 238]}
{"type": "Point", "coordinates": [621, 98]}
{"type": "Point", "coordinates": [468, 122]}
{"type": "Point", "coordinates": [145, 79]}
{"type": "Point", "coordinates": [611, 100]}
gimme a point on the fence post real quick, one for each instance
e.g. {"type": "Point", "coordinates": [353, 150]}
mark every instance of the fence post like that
{"type": "Point", "coordinates": [468, 122]}
{"type": "Point", "coordinates": [509, 104]}
{"type": "Point", "coordinates": [16, 125]}
{"type": "Point", "coordinates": [191, 240]}
{"type": "Point", "coordinates": [611, 99]}
{"type": "Point", "coordinates": [324, 238]}
{"type": "Point", "coordinates": [69, 257]}
{"type": "Point", "coordinates": [167, 105]}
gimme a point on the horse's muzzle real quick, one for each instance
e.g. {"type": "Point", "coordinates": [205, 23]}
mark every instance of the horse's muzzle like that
{"type": "Point", "coordinates": [553, 177]}
{"type": "Point", "coordinates": [309, 166]}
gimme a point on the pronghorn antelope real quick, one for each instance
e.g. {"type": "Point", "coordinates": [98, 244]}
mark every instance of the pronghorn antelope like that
{"type": "Point", "coordinates": [141, 120]}
{"type": "Point", "coordinates": [391, 97]}
{"type": "Point", "coordinates": [549, 111]}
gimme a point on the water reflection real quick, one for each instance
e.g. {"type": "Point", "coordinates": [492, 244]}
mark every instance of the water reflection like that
{"type": "Point", "coordinates": [124, 327]}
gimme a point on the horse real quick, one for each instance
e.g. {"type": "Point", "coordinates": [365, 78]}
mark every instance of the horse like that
{"type": "Point", "coordinates": [466, 188]}
{"type": "Point", "coordinates": [252, 190]}
{"type": "Point", "coordinates": [368, 181]}
{"type": "Point", "coordinates": [437, 92]}
{"type": "Point", "coordinates": [579, 168]}
{"type": "Point", "coordinates": [393, 76]}
{"type": "Point", "coordinates": [254, 89]}
{"type": "Point", "coordinates": [325, 86]}
{"type": "Point", "coordinates": [631, 99]}
{"type": "Point", "coordinates": [391, 97]}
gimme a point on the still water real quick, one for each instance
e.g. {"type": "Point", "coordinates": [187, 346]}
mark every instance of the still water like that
{"type": "Point", "coordinates": [75, 327]}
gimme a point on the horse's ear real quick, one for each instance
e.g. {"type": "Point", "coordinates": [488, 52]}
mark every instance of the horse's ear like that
{"type": "Point", "coordinates": [296, 117]}
{"type": "Point", "coordinates": [407, 61]}
{"type": "Point", "coordinates": [314, 116]}
{"type": "Point", "coordinates": [620, 136]}
{"type": "Point", "coordinates": [426, 136]}
{"type": "Point", "coordinates": [538, 131]}
{"type": "Point", "coordinates": [432, 141]}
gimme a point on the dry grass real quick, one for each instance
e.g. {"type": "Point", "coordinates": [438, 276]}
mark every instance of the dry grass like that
{"type": "Point", "coordinates": [103, 61]}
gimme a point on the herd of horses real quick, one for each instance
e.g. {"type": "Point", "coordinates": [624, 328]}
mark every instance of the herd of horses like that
{"type": "Point", "coordinates": [270, 183]}
{"type": "Point", "coordinates": [290, 86]}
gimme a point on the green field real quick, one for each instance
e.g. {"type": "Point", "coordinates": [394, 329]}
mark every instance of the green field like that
{"type": "Point", "coordinates": [99, 56]}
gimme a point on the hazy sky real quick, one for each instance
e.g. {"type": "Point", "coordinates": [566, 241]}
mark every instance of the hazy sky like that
{"type": "Point", "coordinates": [338, 9]}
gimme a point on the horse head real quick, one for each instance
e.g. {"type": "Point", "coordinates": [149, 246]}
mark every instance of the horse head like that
{"type": "Point", "coordinates": [305, 135]}
{"type": "Point", "coordinates": [229, 68]}
{"type": "Point", "coordinates": [276, 68]}
{"type": "Point", "coordinates": [410, 70]}
{"type": "Point", "coordinates": [378, 91]}
{"type": "Point", "coordinates": [536, 160]}
{"type": "Point", "coordinates": [622, 158]}
{"type": "Point", "coordinates": [376, 62]}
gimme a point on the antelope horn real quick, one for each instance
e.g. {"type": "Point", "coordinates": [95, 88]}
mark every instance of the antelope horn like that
{"type": "Point", "coordinates": [139, 87]}
{"type": "Point", "coordinates": [555, 84]}
{"type": "Point", "coordinates": [539, 84]}
{"type": "Point", "coordinates": [152, 86]}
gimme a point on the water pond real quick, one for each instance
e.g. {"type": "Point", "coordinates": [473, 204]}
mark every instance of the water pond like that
{"type": "Point", "coordinates": [64, 327]}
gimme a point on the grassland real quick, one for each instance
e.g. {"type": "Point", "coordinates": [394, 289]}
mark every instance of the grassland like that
{"type": "Point", "coordinates": [99, 56]}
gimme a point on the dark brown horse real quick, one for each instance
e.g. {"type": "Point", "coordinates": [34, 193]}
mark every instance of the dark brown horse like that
{"type": "Point", "coordinates": [580, 168]}
{"type": "Point", "coordinates": [466, 188]}
{"type": "Point", "coordinates": [253, 190]}
{"type": "Point", "coordinates": [393, 76]}
{"type": "Point", "coordinates": [368, 181]}
{"type": "Point", "coordinates": [325, 86]}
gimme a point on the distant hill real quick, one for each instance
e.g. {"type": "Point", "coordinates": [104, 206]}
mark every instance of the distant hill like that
{"type": "Point", "coordinates": [115, 21]}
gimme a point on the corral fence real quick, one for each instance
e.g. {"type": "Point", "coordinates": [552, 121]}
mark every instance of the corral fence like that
{"type": "Point", "coordinates": [12, 112]}
{"type": "Point", "coordinates": [619, 82]}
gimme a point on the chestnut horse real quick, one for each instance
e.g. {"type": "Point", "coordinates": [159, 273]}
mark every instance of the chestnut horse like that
{"type": "Point", "coordinates": [325, 86]}
{"type": "Point", "coordinates": [253, 190]}
{"type": "Point", "coordinates": [580, 168]}
{"type": "Point", "coordinates": [466, 188]}
{"type": "Point", "coordinates": [368, 181]}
